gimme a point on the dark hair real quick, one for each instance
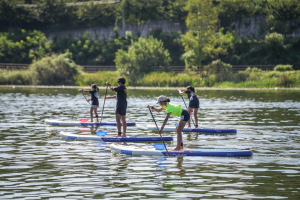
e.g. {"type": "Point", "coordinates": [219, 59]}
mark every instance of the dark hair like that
{"type": "Point", "coordinates": [122, 80]}
{"type": "Point", "coordinates": [95, 87]}
{"type": "Point", "coordinates": [191, 88]}
{"type": "Point", "coordinates": [168, 100]}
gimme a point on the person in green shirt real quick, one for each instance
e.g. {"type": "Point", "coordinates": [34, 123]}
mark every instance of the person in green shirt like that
{"type": "Point", "coordinates": [174, 110]}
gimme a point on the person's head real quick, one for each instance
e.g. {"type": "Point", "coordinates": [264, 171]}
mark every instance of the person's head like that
{"type": "Point", "coordinates": [95, 87]}
{"type": "Point", "coordinates": [190, 88]}
{"type": "Point", "coordinates": [121, 80]}
{"type": "Point", "coordinates": [162, 100]}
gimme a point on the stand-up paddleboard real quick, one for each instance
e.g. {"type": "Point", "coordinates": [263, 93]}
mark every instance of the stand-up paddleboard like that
{"type": "Point", "coordinates": [198, 130]}
{"type": "Point", "coordinates": [79, 123]}
{"type": "Point", "coordinates": [133, 150]}
{"type": "Point", "coordinates": [70, 136]}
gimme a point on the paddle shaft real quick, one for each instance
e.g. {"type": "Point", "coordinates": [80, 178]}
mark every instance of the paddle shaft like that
{"type": "Point", "coordinates": [158, 132]}
{"type": "Point", "coordinates": [187, 108]}
{"type": "Point", "coordinates": [85, 98]}
{"type": "Point", "coordinates": [103, 107]}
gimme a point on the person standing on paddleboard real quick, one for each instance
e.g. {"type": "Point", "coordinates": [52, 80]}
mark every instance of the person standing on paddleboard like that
{"type": "Point", "coordinates": [176, 111]}
{"type": "Point", "coordinates": [121, 104]}
{"type": "Point", "coordinates": [94, 101]}
{"type": "Point", "coordinates": [193, 105]}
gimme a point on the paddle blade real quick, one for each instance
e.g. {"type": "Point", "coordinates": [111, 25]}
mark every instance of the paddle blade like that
{"type": "Point", "coordinates": [159, 146]}
{"type": "Point", "coordinates": [101, 133]}
{"type": "Point", "coordinates": [84, 120]}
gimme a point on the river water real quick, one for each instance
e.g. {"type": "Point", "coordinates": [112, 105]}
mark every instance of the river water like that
{"type": "Point", "coordinates": [35, 163]}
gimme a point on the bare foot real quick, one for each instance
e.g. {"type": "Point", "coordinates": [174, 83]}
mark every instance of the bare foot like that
{"type": "Point", "coordinates": [124, 135]}
{"type": "Point", "coordinates": [176, 149]}
{"type": "Point", "coordinates": [189, 127]}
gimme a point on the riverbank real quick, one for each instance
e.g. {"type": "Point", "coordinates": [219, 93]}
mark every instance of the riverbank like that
{"type": "Point", "coordinates": [250, 78]}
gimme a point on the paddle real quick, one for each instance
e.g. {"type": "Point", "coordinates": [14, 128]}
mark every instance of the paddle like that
{"type": "Point", "coordinates": [85, 98]}
{"type": "Point", "coordinates": [103, 107]}
{"type": "Point", "coordinates": [187, 108]}
{"type": "Point", "coordinates": [101, 133]}
{"type": "Point", "coordinates": [158, 132]}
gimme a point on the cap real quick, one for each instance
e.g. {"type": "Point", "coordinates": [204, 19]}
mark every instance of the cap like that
{"type": "Point", "coordinates": [161, 98]}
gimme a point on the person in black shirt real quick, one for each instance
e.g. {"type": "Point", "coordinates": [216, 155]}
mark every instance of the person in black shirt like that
{"type": "Point", "coordinates": [121, 104]}
{"type": "Point", "coordinates": [94, 101]}
{"type": "Point", "coordinates": [193, 105]}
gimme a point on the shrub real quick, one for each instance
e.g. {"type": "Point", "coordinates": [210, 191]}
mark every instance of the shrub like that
{"type": "Point", "coordinates": [283, 68]}
{"type": "Point", "coordinates": [284, 80]}
{"type": "Point", "coordinates": [15, 77]}
{"type": "Point", "coordinates": [143, 56]}
{"type": "Point", "coordinates": [220, 69]}
{"type": "Point", "coordinates": [55, 70]}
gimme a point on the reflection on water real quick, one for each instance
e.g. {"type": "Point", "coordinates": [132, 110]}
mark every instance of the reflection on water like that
{"type": "Point", "coordinates": [36, 163]}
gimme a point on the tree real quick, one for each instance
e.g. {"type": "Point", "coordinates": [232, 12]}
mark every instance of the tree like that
{"type": "Point", "coordinates": [233, 10]}
{"type": "Point", "coordinates": [142, 11]}
{"type": "Point", "coordinates": [285, 12]}
{"type": "Point", "coordinates": [143, 56]}
{"type": "Point", "coordinates": [201, 20]}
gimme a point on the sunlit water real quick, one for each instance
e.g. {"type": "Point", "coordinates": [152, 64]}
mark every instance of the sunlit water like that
{"type": "Point", "coordinates": [35, 163]}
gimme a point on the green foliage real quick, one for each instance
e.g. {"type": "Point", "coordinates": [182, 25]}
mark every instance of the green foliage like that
{"type": "Point", "coordinates": [201, 21]}
{"type": "Point", "coordinates": [15, 77]}
{"type": "Point", "coordinates": [22, 46]}
{"type": "Point", "coordinates": [281, 15]}
{"type": "Point", "coordinates": [233, 10]}
{"type": "Point", "coordinates": [143, 56]}
{"type": "Point", "coordinates": [220, 70]}
{"type": "Point", "coordinates": [171, 41]}
{"type": "Point", "coordinates": [55, 70]}
{"type": "Point", "coordinates": [283, 68]}
{"type": "Point", "coordinates": [98, 78]}
{"type": "Point", "coordinates": [89, 51]}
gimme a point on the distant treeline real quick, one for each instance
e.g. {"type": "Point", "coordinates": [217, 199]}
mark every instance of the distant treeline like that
{"type": "Point", "coordinates": [23, 39]}
{"type": "Point", "coordinates": [55, 15]}
{"type": "Point", "coordinates": [23, 46]}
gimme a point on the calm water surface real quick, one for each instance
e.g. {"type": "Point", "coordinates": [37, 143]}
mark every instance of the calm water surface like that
{"type": "Point", "coordinates": [35, 163]}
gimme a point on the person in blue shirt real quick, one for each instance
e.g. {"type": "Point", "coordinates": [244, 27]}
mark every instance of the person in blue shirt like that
{"type": "Point", "coordinates": [94, 100]}
{"type": "Point", "coordinates": [194, 103]}
{"type": "Point", "coordinates": [121, 104]}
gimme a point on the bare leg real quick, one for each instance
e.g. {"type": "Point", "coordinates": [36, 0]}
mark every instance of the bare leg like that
{"type": "Point", "coordinates": [91, 113]}
{"type": "Point", "coordinates": [190, 110]}
{"type": "Point", "coordinates": [179, 128]}
{"type": "Point", "coordinates": [118, 120]}
{"type": "Point", "coordinates": [195, 116]}
{"type": "Point", "coordinates": [123, 118]}
{"type": "Point", "coordinates": [95, 111]}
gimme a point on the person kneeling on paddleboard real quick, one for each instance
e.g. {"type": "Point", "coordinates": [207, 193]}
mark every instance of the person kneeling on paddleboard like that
{"type": "Point", "coordinates": [194, 103]}
{"type": "Point", "coordinates": [176, 111]}
{"type": "Point", "coordinates": [94, 100]}
{"type": "Point", "coordinates": [121, 104]}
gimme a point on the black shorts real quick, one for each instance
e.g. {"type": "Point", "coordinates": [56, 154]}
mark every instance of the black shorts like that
{"type": "Point", "coordinates": [194, 104]}
{"type": "Point", "coordinates": [121, 111]}
{"type": "Point", "coordinates": [185, 116]}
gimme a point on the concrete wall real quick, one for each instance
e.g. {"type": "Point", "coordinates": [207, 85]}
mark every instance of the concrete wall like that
{"type": "Point", "coordinates": [249, 26]}
{"type": "Point", "coordinates": [107, 32]}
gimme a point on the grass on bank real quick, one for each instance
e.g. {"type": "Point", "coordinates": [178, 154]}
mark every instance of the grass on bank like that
{"type": "Point", "coordinates": [243, 79]}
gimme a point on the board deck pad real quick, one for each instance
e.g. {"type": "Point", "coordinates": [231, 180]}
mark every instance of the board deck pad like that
{"type": "Point", "coordinates": [79, 123]}
{"type": "Point", "coordinates": [198, 130]}
{"type": "Point", "coordinates": [71, 136]}
{"type": "Point", "coordinates": [150, 150]}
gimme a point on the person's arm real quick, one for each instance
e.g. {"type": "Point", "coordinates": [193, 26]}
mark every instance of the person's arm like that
{"type": "Point", "coordinates": [165, 122]}
{"type": "Point", "coordinates": [111, 97]}
{"type": "Point", "coordinates": [180, 92]}
{"type": "Point", "coordinates": [87, 91]}
{"type": "Point", "coordinates": [110, 87]}
{"type": "Point", "coordinates": [155, 109]}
